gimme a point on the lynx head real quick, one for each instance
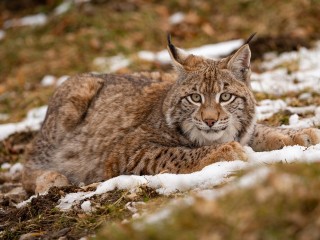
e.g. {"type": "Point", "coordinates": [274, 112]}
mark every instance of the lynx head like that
{"type": "Point", "coordinates": [211, 101]}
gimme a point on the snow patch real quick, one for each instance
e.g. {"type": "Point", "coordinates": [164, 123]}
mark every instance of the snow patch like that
{"type": "Point", "coordinates": [6, 166]}
{"type": "Point", "coordinates": [86, 206]}
{"type": "Point", "coordinates": [287, 154]}
{"type": "Point", "coordinates": [64, 7]}
{"type": "Point", "coordinates": [71, 198]}
{"type": "Point", "coordinates": [249, 180]}
{"type": "Point", "coordinates": [176, 18]}
{"type": "Point", "coordinates": [61, 80]}
{"type": "Point", "coordinates": [267, 108]}
{"type": "Point", "coordinates": [166, 183]}
{"type": "Point", "coordinates": [277, 80]}
{"type": "Point", "coordinates": [48, 80]}
{"type": "Point", "coordinates": [17, 167]}
{"type": "Point", "coordinates": [2, 34]}
{"type": "Point", "coordinates": [111, 64]}
{"type": "Point", "coordinates": [32, 20]}
{"type": "Point", "coordinates": [32, 122]}
{"type": "Point", "coordinates": [296, 122]}
{"type": "Point", "coordinates": [211, 51]}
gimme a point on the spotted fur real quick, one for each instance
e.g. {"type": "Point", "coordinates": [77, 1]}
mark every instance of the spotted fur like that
{"type": "Point", "coordinates": [101, 126]}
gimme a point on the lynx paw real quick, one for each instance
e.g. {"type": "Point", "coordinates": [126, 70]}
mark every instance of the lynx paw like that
{"type": "Point", "coordinates": [232, 151]}
{"type": "Point", "coordinates": [49, 179]}
{"type": "Point", "coordinates": [306, 137]}
{"type": "Point", "coordinates": [303, 137]}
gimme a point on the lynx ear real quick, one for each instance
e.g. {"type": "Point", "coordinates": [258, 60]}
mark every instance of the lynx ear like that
{"type": "Point", "coordinates": [182, 60]}
{"type": "Point", "coordinates": [239, 64]}
{"type": "Point", "coordinates": [178, 56]}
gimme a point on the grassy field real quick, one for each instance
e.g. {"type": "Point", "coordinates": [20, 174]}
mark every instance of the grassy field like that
{"type": "Point", "coordinates": [68, 45]}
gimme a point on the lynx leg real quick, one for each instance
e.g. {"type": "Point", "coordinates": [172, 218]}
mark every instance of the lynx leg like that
{"type": "Point", "coordinates": [149, 160]}
{"type": "Point", "coordinates": [76, 97]}
{"type": "Point", "coordinates": [269, 138]}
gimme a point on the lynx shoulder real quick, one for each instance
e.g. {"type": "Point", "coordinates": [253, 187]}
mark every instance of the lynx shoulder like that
{"type": "Point", "coordinates": [101, 126]}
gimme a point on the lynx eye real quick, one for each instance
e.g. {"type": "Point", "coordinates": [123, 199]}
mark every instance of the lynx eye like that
{"type": "Point", "coordinates": [224, 97]}
{"type": "Point", "coordinates": [195, 97]}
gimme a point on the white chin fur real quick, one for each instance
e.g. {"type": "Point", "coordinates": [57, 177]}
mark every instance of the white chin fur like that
{"type": "Point", "coordinates": [202, 138]}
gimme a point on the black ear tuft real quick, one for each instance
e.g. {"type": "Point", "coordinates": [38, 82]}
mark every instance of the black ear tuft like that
{"type": "Point", "coordinates": [169, 38]}
{"type": "Point", "coordinates": [171, 46]}
{"type": "Point", "coordinates": [250, 38]}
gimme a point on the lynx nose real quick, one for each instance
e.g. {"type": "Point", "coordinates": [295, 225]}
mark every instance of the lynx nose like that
{"type": "Point", "coordinates": [209, 122]}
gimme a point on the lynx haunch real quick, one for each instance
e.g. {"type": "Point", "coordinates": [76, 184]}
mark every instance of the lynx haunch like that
{"type": "Point", "coordinates": [101, 126]}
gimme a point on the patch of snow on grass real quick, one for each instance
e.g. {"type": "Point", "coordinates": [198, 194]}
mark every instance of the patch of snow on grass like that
{"type": "Point", "coordinates": [211, 50]}
{"type": "Point", "coordinates": [111, 64]}
{"type": "Point", "coordinates": [32, 20]}
{"type": "Point", "coordinates": [176, 18]}
{"type": "Point", "coordinates": [32, 122]}
{"type": "Point", "coordinates": [86, 206]}
{"type": "Point", "coordinates": [267, 108]}
{"type": "Point", "coordinates": [293, 119]}
{"type": "Point", "coordinates": [2, 34]}
{"type": "Point", "coordinates": [287, 154]}
{"type": "Point", "coordinates": [277, 80]}
{"type": "Point", "coordinates": [166, 183]}
{"type": "Point", "coordinates": [305, 58]}
{"type": "Point", "coordinates": [246, 181]}
{"type": "Point", "coordinates": [70, 199]}
{"type": "Point", "coordinates": [63, 7]}
{"type": "Point", "coordinates": [61, 79]}
{"type": "Point", "coordinates": [5, 166]}
{"type": "Point", "coordinates": [17, 167]}
{"type": "Point", "coordinates": [295, 122]}
{"type": "Point", "coordinates": [48, 80]}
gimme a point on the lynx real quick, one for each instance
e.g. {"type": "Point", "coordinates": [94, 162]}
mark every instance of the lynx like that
{"type": "Point", "coordinates": [99, 126]}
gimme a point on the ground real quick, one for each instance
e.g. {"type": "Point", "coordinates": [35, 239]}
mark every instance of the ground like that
{"type": "Point", "coordinates": [283, 205]}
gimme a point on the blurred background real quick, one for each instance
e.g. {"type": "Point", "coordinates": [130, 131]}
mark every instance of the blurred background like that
{"type": "Point", "coordinates": [44, 40]}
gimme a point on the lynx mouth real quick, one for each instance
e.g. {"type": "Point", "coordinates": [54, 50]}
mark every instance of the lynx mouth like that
{"type": "Point", "coordinates": [213, 130]}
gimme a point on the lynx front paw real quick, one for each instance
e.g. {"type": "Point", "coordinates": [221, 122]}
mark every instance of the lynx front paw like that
{"type": "Point", "coordinates": [306, 137]}
{"type": "Point", "coordinates": [232, 151]}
